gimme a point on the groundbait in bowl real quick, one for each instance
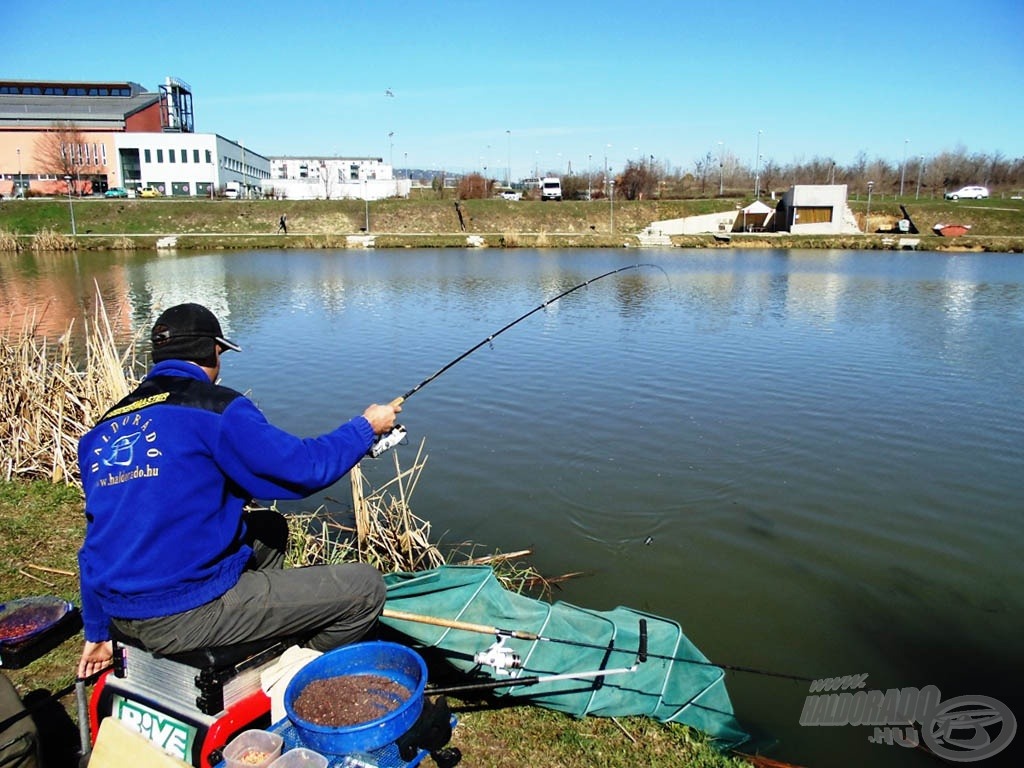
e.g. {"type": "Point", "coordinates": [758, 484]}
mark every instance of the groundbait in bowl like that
{"type": "Point", "coordinates": [383, 659]}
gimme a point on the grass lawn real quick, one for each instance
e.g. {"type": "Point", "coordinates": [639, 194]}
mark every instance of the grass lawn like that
{"type": "Point", "coordinates": [997, 224]}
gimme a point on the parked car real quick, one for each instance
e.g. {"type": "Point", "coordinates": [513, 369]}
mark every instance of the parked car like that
{"type": "Point", "coordinates": [509, 194]}
{"type": "Point", "coordinates": [976, 193]}
{"type": "Point", "coordinates": [150, 192]}
{"type": "Point", "coordinates": [116, 192]}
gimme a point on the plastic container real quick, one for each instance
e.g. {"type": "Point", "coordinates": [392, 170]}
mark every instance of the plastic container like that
{"type": "Point", "coordinates": [383, 659]}
{"type": "Point", "coordinates": [253, 749]}
{"type": "Point", "coordinates": [300, 757]}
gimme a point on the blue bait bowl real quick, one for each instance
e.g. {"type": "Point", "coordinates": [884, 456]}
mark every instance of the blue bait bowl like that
{"type": "Point", "coordinates": [382, 659]}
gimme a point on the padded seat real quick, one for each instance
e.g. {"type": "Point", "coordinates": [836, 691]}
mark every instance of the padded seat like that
{"type": "Point", "coordinates": [217, 657]}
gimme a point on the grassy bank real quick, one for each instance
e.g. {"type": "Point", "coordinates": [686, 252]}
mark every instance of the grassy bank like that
{"type": "Point", "coordinates": [996, 225]}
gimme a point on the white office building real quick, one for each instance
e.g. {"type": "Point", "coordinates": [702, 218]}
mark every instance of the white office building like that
{"type": "Point", "coordinates": [333, 178]}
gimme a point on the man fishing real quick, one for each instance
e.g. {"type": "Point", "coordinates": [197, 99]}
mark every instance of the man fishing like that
{"type": "Point", "coordinates": [170, 556]}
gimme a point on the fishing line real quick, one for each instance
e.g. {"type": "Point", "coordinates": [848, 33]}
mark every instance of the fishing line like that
{"type": "Point", "coordinates": [399, 400]}
{"type": "Point", "coordinates": [389, 440]}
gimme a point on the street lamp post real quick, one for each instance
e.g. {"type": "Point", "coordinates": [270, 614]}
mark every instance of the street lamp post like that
{"type": "Point", "coordinates": [757, 169]}
{"type": "Point", "coordinates": [606, 177]}
{"type": "Point", "coordinates": [920, 170]}
{"type": "Point", "coordinates": [589, 176]}
{"type": "Point", "coordinates": [366, 205]}
{"type": "Point", "coordinates": [611, 205]}
{"type": "Point", "coordinates": [903, 169]}
{"type": "Point", "coordinates": [508, 159]}
{"type": "Point", "coordinates": [19, 191]}
{"type": "Point", "coordinates": [867, 216]}
{"type": "Point", "coordinates": [71, 206]}
{"type": "Point", "coordinates": [721, 172]}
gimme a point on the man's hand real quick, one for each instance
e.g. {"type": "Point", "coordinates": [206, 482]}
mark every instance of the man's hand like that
{"type": "Point", "coordinates": [381, 417]}
{"type": "Point", "coordinates": [95, 656]}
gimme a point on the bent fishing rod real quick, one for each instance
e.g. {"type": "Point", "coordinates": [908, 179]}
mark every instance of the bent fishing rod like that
{"type": "Point", "coordinates": [390, 439]}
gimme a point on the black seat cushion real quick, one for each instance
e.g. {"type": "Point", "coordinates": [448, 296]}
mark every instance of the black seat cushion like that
{"type": "Point", "coordinates": [217, 657]}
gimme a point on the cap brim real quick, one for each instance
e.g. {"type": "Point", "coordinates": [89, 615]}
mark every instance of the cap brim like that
{"type": "Point", "coordinates": [227, 344]}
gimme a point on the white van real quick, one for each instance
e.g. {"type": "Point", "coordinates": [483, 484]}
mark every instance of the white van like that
{"type": "Point", "coordinates": [551, 188]}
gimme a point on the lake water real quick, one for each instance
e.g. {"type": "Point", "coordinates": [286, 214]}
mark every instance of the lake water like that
{"type": "Point", "coordinates": [812, 460]}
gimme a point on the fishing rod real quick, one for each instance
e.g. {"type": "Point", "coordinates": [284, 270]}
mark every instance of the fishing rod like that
{"type": "Point", "coordinates": [390, 439]}
{"type": "Point", "coordinates": [517, 634]}
{"type": "Point", "coordinates": [502, 659]}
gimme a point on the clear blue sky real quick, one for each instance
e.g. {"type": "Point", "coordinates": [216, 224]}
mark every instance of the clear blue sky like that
{"type": "Point", "coordinates": [546, 83]}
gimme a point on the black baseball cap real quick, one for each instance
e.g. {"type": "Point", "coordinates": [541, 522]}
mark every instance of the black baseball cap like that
{"type": "Point", "coordinates": [189, 332]}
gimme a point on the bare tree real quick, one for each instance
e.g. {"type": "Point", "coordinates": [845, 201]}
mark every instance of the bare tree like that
{"type": "Point", "coordinates": [64, 151]}
{"type": "Point", "coordinates": [702, 167]}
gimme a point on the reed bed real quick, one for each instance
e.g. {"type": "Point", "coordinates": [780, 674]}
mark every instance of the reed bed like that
{"type": "Point", "coordinates": [9, 241]}
{"type": "Point", "coordinates": [52, 240]}
{"type": "Point", "coordinates": [47, 401]}
{"type": "Point", "coordinates": [386, 534]}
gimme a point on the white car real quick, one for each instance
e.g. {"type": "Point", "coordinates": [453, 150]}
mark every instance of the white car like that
{"type": "Point", "coordinates": [511, 195]}
{"type": "Point", "coordinates": [977, 193]}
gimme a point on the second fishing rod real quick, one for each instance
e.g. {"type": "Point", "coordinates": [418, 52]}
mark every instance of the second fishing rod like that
{"type": "Point", "coordinates": [390, 439]}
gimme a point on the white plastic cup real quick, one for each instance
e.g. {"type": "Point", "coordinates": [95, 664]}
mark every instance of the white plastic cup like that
{"type": "Point", "coordinates": [253, 749]}
{"type": "Point", "coordinates": [300, 757]}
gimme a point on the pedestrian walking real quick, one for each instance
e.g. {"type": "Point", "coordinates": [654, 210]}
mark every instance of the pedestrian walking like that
{"type": "Point", "coordinates": [282, 223]}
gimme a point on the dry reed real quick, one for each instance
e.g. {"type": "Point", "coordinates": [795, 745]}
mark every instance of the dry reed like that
{"type": "Point", "coordinates": [386, 534]}
{"type": "Point", "coordinates": [9, 241]}
{"type": "Point", "coordinates": [47, 402]}
{"type": "Point", "coordinates": [51, 240]}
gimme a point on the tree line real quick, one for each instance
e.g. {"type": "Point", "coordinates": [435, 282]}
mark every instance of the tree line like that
{"type": "Point", "coordinates": [710, 176]}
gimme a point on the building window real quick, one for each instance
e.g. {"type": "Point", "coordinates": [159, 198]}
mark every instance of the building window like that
{"type": "Point", "coordinates": [159, 155]}
{"type": "Point", "coordinates": [806, 214]}
{"type": "Point", "coordinates": [195, 155]}
{"type": "Point", "coordinates": [170, 155]}
{"type": "Point", "coordinates": [209, 156]}
{"type": "Point", "coordinates": [148, 158]}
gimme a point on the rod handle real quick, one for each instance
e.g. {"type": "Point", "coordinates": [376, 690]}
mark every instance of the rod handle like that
{"type": "Point", "coordinates": [397, 402]}
{"type": "Point", "coordinates": [437, 621]}
{"type": "Point", "coordinates": [641, 654]}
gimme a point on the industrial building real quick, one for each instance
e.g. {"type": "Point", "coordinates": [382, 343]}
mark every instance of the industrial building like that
{"type": "Point", "coordinates": [87, 137]}
{"type": "Point", "coordinates": [91, 136]}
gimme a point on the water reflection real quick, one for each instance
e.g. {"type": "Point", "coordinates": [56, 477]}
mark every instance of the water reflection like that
{"type": "Point", "coordinates": [811, 459]}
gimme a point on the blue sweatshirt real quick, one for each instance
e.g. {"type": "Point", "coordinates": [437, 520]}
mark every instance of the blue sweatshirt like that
{"type": "Point", "coordinates": [166, 474]}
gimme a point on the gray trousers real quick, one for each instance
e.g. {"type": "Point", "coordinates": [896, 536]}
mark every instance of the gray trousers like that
{"type": "Point", "coordinates": [332, 604]}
